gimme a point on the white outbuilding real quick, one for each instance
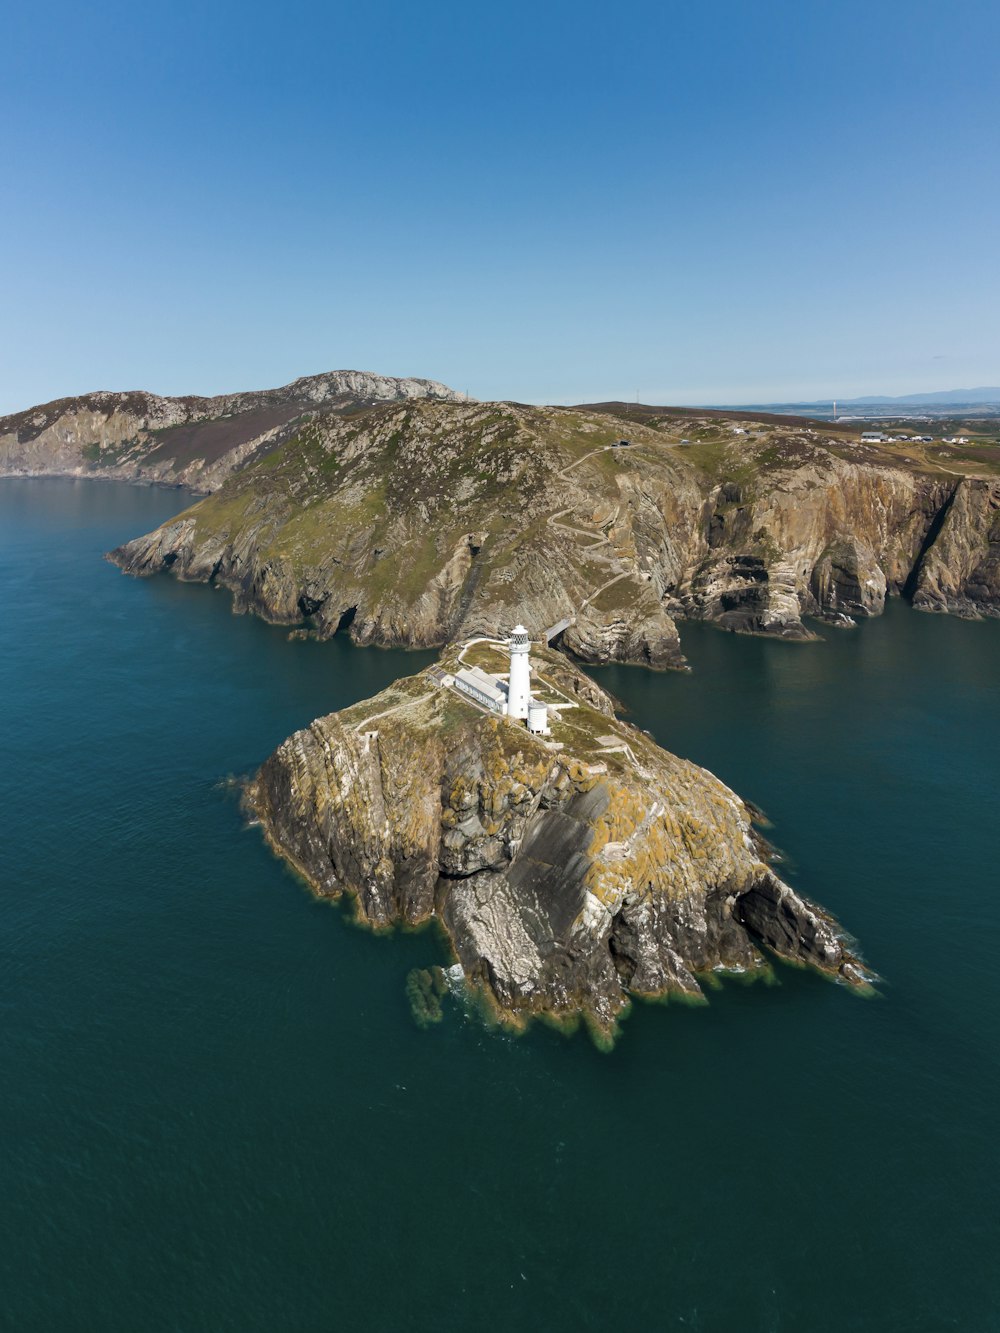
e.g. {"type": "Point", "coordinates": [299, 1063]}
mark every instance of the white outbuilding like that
{"type": "Point", "coordinates": [511, 697]}
{"type": "Point", "coordinates": [538, 718]}
{"type": "Point", "coordinates": [484, 688]}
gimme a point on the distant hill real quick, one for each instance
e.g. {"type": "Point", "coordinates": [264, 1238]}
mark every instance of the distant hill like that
{"type": "Point", "coordinates": [186, 441]}
{"type": "Point", "coordinates": [654, 414]}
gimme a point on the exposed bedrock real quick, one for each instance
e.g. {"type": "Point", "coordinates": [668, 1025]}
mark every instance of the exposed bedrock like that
{"type": "Point", "coordinates": [422, 523]}
{"type": "Point", "coordinates": [848, 580]}
{"type": "Point", "coordinates": [650, 639]}
{"type": "Point", "coordinates": [565, 884]}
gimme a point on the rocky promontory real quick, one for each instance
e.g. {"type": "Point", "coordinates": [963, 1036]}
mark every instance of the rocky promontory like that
{"type": "Point", "coordinates": [186, 441]}
{"type": "Point", "coordinates": [569, 873]}
{"type": "Point", "coordinates": [421, 522]}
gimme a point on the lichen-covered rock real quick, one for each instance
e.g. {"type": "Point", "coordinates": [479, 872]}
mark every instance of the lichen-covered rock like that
{"type": "Point", "coordinates": [566, 880]}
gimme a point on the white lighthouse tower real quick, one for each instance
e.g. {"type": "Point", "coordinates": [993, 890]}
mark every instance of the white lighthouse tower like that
{"type": "Point", "coordinates": [519, 683]}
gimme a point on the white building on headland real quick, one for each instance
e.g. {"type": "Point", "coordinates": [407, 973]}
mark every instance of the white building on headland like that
{"type": "Point", "coordinates": [512, 697]}
{"type": "Point", "coordinates": [538, 718]}
{"type": "Point", "coordinates": [484, 688]}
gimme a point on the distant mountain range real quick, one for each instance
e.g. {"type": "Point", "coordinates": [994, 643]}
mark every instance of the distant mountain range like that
{"type": "Point", "coordinates": [966, 397]}
{"type": "Point", "coordinates": [939, 403]}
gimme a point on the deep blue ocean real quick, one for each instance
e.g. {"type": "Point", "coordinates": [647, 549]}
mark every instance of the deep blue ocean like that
{"type": "Point", "coordinates": [217, 1112]}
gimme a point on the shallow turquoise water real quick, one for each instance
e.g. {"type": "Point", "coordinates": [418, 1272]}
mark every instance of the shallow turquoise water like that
{"type": "Point", "coordinates": [217, 1113]}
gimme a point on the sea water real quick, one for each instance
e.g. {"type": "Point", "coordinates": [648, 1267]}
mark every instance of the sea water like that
{"type": "Point", "coordinates": [217, 1113]}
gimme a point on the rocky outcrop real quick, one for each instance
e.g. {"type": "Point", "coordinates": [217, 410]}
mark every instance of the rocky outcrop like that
{"type": "Point", "coordinates": [190, 441]}
{"type": "Point", "coordinates": [960, 568]}
{"type": "Point", "coordinates": [421, 522]}
{"type": "Point", "coordinates": [848, 580]}
{"type": "Point", "coordinates": [566, 879]}
{"type": "Point", "coordinates": [640, 633]}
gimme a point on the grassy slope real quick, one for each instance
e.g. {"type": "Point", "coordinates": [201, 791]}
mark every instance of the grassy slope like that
{"type": "Point", "coordinates": [414, 481]}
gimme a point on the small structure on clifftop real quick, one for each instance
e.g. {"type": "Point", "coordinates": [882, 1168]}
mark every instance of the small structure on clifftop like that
{"type": "Point", "coordinates": [538, 718]}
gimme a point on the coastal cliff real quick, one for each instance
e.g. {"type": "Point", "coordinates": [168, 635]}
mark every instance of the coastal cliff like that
{"type": "Point", "coordinates": [188, 441]}
{"type": "Point", "coordinates": [568, 875]}
{"type": "Point", "coordinates": [419, 522]}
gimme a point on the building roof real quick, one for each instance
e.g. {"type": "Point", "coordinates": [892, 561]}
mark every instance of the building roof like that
{"type": "Point", "coordinates": [483, 683]}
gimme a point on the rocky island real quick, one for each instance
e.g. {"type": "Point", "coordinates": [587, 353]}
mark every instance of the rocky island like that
{"type": "Point", "coordinates": [569, 870]}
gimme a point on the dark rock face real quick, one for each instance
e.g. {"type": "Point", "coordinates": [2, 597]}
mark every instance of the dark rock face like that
{"type": "Point", "coordinates": [658, 948]}
{"type": "Point", "coordinates": [788, 924]}
{"type": "Point", "coordinates": [563, 887]}
{"type": "Point", "coordinates": [744, 594]}
{"type": "Point", "coordinates": [730, 520]}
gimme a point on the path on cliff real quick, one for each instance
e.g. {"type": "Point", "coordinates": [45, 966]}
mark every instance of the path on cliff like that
{"type": "Point", "coordinates": [602, 449]}
{"type": "Point", "coordinates": [619, 851]}
{"type": "Point", "coordinates": [594, 538]}
{"type": "Point", "coordinates": [617, 579]}
{"type": "Point", "coordinates": [405, 703]}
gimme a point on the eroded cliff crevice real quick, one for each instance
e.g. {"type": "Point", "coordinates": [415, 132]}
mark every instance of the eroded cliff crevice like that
{"type": "Point", "coordinates": [959, 572]}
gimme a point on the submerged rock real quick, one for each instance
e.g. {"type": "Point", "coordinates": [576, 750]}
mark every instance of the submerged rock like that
{"type": "Point", "coordinates": [566, 879]}
{"type": "Point", "coordinates": [425, 987]}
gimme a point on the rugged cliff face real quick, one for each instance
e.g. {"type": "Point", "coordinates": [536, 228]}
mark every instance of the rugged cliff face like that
{"type": "Point", "coordinates": [567, 879]}
{"type": "Point", "coordinates": [415, 524]}
{"type": "Point", "coordinates": [194, 442]}
{"type": "Point", "coordinates": [960, 567]}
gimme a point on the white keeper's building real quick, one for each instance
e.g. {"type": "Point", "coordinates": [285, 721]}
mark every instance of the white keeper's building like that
{"type": "Point", "coordinates": [485, 689]}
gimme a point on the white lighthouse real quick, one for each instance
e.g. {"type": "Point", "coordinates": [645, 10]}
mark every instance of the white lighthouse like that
{"type": "Point", "coordinates": [519, 683]}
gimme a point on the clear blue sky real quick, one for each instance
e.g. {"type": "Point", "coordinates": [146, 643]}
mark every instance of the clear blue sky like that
{"type": "Point", "coordinates": [699, 202]}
